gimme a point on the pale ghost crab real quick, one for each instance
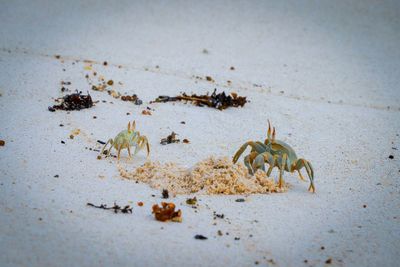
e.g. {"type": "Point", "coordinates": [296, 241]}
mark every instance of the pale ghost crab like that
{"type": "Point", "coordinates": [277, 154]}
{"type": "Point", "coordinates": [126, 139]}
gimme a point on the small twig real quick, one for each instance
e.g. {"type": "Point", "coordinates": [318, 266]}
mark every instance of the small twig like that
{"type": "Point", "coordinates": [116, 208]}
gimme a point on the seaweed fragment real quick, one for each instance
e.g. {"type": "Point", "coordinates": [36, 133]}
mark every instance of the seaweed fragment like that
{"type": "Point", "coordinates": [166, 212]}
{"type": "Point", "coordinates": [191, 201]}
{"type": "Point", "coordinates": [75, 101]}
{"type": "Point", "coordinates": [165, 193]}
{"type": "Point", "coordinates": [219, 101]}
{"type": "Point", "coordinates": [116, 208]}
{"type": "Point", "coordinates": [170, 139]}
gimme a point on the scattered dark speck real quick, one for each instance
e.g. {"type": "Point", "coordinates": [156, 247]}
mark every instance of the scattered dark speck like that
{"type": "Point", "coordinates": [364, 206]}
{"type": "Point", "coordinates": [165, 193]}
{"type": "Point", "coordinates": [61, 125]}
{"type": "Point", "coordinates": [182, 122]}
{"type": "Point", "coordinates": [200, 237]}
{"type": "Point", "coordinates": [322, 248]}
{"type": "Point", "coordinates": [56, 176]}
{"type": "Point", "coordinates": [209, 78]}
{"type": "Point", "coordinates": [240, 200]}
{"type": "Point", "coordinates": [105, 63]}
{"type": "Point", "coordinates": [237, 238]}
{"type": "Point", "coordinates": [62, 142]}
{"type": "Point", "coordinates": [328, 261]}
{"type": "Point", "coordinates": [391, 157]}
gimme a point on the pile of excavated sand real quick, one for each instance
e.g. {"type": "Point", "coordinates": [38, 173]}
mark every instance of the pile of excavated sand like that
{"type": "Point", "coordinates": [210, 176]}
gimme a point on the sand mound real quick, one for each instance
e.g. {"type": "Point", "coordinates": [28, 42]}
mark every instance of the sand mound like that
{"type": "Point", "coordinates": [210, 176]}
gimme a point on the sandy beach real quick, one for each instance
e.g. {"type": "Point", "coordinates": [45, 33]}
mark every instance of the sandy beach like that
{"type": "Point", "coordinates": [326, 74]}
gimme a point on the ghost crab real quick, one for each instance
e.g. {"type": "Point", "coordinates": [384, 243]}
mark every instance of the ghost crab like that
{"type": "Point", "coordinates": [126, 139]}
{"type": "Point", "coordinates": [277, 154]}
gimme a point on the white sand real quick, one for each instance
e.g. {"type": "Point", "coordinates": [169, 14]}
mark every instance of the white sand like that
{"type": "Point", "coordinates": [336, 63]}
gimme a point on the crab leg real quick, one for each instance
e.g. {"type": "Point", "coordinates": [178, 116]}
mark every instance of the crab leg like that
{"type": "Point", "coordinates": [259, 161]}
{"type": "Point", "coordinates": [301, 176]}
{"type": "Point", "coordinates": [145, 141]}
{"type": "Point", "coordinates": [141, 143]}
{"type": "Point", "coordinates": [129, 151]}
{"type": "Point", "coordinates": [119, 151]}
{"type": "Point", "coordinates": [300, 163]}
{"type": "Point", "coordinates": [110, 141]}
{"type": "Point", "coordinates": [248, 161]}
{"type": "Point", "coordinates": [282, 164]}
{"type": "Point", "coordinates": [269, 170]}
{"type": "Point", "coordinates": [258, 147]}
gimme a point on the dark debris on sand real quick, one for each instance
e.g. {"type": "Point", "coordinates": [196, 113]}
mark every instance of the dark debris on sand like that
{"type": "Point", "coordinates": [219, 101]}
{"type": "Point", "coordinates": [75, 101]}
{"type": "Point", "coordinates": [115, 208]}
{"type": "Point", "coordinates": [170, 139]}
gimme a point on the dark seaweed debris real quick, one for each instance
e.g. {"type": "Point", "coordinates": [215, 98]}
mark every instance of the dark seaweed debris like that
{"type": "Point", "coordinates": [116, 208]}
{"type": "Point", "coordinates": [75, 101]}
{"type": "Point", "coordinates": [170, 139]}
{"type": "Point", "coordinates": [165, 193]}
{"type": "Point", "coordinates": [219, 101]}
{"type": "Point", "coordinates": [191, 201]}
{"type": "Point", "coordinates": [200, 237]}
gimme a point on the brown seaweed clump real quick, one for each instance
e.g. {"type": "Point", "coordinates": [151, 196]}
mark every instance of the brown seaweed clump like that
{"type": "Point", "coordinates": [170, 139]}
{"type": "Point", "coordinates": [75, 101]}
{"type": "Point", "coordinates": [167, 212]}
{"type": "Point", "coordinates": [133, 98]}
{"type": "Point", "coordinates": [219, 101]}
